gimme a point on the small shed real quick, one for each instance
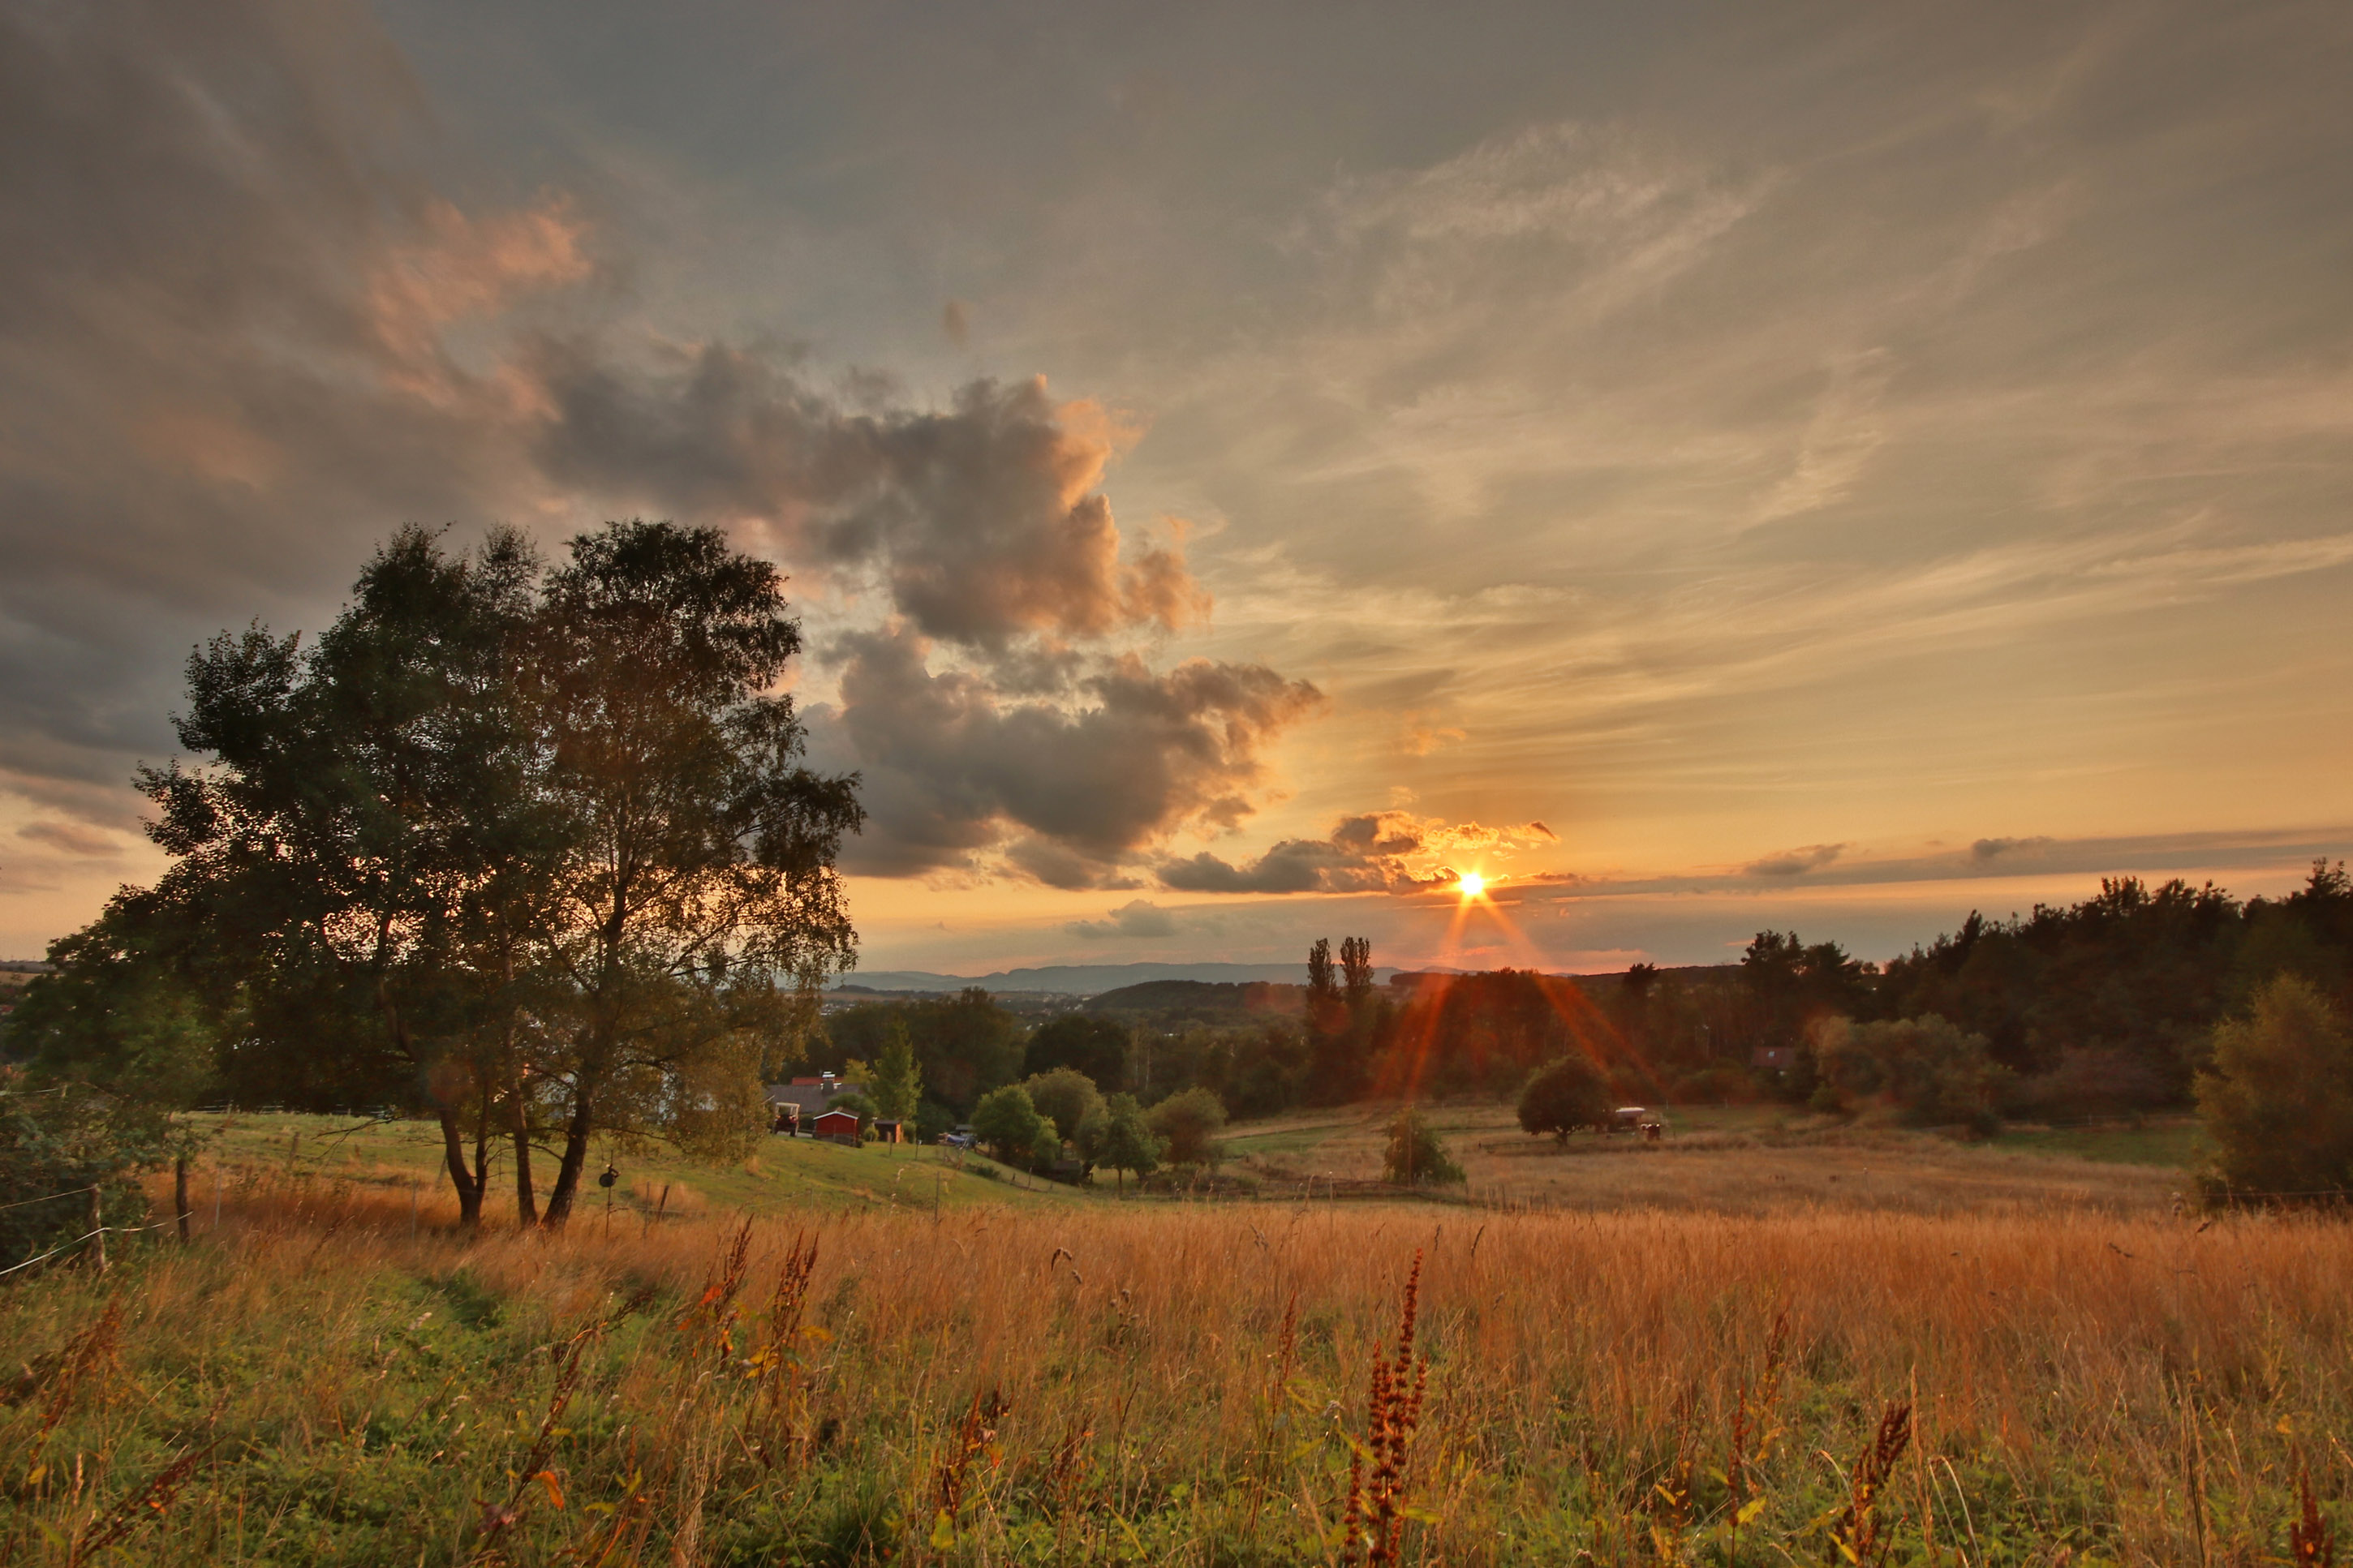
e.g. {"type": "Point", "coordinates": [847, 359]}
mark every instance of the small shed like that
{"type": "Point", "coordinates": [889, 1132]}
{"type": "Point", "coordinates": [841, 1126]}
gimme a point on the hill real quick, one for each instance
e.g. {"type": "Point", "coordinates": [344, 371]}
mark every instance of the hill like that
{"type": "Point", "coordinates": [1077, 979]}
{"type": "Point", "coordinates": [1202, 1001]}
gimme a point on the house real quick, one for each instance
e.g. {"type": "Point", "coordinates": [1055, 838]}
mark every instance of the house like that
{"type": "Point", "coordinates": [837, 1126]}
{"type": "Point", "coordinates": [793, 1106]}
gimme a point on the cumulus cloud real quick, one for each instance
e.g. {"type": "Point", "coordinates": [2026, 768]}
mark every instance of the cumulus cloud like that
{"type": "Point", "coordinates": [1385, 851]}
{"type": "Point", "coordinates": [984, 520]}
{"type": "Point", "coordinates": [1794, 862]}
{"type": "Point", "coordinates": [1069, 788]}
{"type": "Point", "coordinates": [1136, 917]}
{"type": "Point", "coordinates": [243, 335]}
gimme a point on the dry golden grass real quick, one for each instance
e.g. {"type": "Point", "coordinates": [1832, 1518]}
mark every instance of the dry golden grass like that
{"type": "Point", "coordinates": [1164, 1383]}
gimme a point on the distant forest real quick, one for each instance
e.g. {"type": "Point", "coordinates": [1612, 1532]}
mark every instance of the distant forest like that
{"type": "Point", "coordinates": [2102, 1008]}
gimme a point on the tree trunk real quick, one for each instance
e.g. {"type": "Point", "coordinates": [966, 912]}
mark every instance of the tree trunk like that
{"type": "Point", "coordinates": [453, 1155]}
{"type": "Point", "coordinates": [526, 1201]}
{"type": "Point", "coordinates": [575, 1159]}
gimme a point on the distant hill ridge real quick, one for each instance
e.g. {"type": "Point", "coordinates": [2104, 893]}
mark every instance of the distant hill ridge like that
{"type": "Point", "coordinates": [1073, 979]}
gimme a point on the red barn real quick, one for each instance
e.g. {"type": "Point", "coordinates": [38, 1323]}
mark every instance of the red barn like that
{"type": "Point", "coordinates": [841, 1126]}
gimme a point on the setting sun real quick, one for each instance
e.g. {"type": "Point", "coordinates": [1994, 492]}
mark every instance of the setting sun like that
{"type": "Point", "coordinates": [1472, 885]}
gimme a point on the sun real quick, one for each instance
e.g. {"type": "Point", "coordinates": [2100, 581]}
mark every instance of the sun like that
{"type": "Point", "coordinates": [1472, 885]}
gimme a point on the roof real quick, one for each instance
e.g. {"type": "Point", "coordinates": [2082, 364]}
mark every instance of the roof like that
{"type": "Point", "coordinates": [810, 1097]}
{"type": "Point", "coordinates": [829, 1115]}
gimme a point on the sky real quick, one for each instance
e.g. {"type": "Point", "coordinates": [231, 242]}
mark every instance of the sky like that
{"type": "Point", "coordinates": [1703, 468]}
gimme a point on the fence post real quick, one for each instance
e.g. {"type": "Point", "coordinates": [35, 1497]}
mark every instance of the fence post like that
{"type": "Point", "coordinates": [180, 1192]}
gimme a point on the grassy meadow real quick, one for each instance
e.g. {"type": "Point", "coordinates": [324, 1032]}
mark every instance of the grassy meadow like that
{"type": "Point", "coordinates": [838, 1372]}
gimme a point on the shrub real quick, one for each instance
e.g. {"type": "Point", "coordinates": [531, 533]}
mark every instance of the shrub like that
{"type": "Point", "coordinates": [1415, 1154]}
{"type": "Point", "coordinates": [2278, 1101]}
{"type": "Point", "coordinates": [59, 1142]}
{"type": "Point", "coordinates": [2092, 1081]}
{"type": "Point", "coordinates": [933, 1120]}
{"type": "Point", "coordinates": [1188, 1123]}
{"type": "Point", "coordinates": [1928, 1069]}
{"type": "Point", "coordinates": [1564, 1095]}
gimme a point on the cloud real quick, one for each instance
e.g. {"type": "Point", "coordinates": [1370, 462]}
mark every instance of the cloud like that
{"type": "Point", "coordinates": [1136, 917]}
{"type": "Point", "coordinates": [243, 335]}
{"type": "Point", "coordinates": [1068, 789]}
{"type": "Point", "coordinates": [1794, 862]}
{"type": "Point", "coordinates": [1988, 849]}
{"type": "Point", "coordinates": [983, 520]}
{"type": "Point", "coordinates": [1386, 851]}
{"type": "Point", "coordinates": [73, 837]}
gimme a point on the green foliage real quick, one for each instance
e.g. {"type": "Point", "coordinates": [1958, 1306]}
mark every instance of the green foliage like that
{"type": "Point", "coordinates": [530, 851]}
{"type": "Point", "coordinates": [2278, 1101]}
{"type": "Point", "coordinates": [1927, 1067]}
{"type": "Point", "coordinates": [931, 1121]}
{"type": "Point", "coordinates": [56, 1143]}
{"type": "Point", "coordinates": [1118, 1136]}
{"type": "Point", "coordinates": [1189, 1124]}
{"type": "Point", "coordinates": [898, 1078]}
{"type": "Point", "coordinates": [1009, 1124]}
{"type": "Point", "coordinates": [1086, 1043]}
{"type": "Point", "coordinates": [1066, 1098]}
{"type": "Point", "coordinates": [964, 1045]}
{"type": "Point", "coordinates": [1415, 1153]}
{"type": "Point", "coordinates": [1563, 1095]}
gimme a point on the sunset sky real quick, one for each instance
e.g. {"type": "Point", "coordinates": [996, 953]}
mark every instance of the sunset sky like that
{"type": "Point", "coordinates": [1703, 467]}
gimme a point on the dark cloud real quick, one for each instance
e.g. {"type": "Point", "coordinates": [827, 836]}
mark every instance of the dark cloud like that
{"type": "Point", "coordinates": [243, 335]}
{"type": "Point", "coordinates": [1386, 851]}
{"type": "Point", "coordinates": [1070, 789]}
{"type": "Point", "coordinates": [1794, 862]}
{"type": "Point", "coordinates": [1136, 917]}
{"type": "Point", "coordinates": [73, 837]}
{"type": "Point", "coordinates": [1994, 848]}
{"type": "Point", "coordinates": [224, 281]}
{"type": "Point", "coordinates": [983, 519]}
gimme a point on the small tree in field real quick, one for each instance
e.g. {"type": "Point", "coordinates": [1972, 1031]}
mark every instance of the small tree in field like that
{"type": "Point", "coordinates": [1064, 1097]}
{"type": "Point", "coordinates": [1415, 1153]}
{"type": "Point", "coordinates": [1118, 1136]}
{"type": "Point", "coordinates": [1564, 1095]}
{"type": "Point", "coordinates": [1189, 1123]}
{"type": "Point", "coordinates": [2279, 1099]}
{"type": "Point", "coordinates": [1009, 1124]}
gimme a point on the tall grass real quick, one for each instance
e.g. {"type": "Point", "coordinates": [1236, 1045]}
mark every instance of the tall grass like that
{"type": "Point", "coordinates": [1171, 1383]}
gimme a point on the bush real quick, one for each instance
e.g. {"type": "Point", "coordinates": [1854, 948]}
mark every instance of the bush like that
{"type": "Point", "coordinates": [2091, 1081]}
{"type": "Point", "coordinates": [2278, 1101]}
{"type": "Point", "coordinates": [1564, 1095]}
{"type": "Point", "coordinates": [1928, 1069]}
{"type": "Point", "coordinates": [56, 1144]}
{"type": "Point", "coordinates": [1190, 1123]}
{"type": "Point", "coordinates": [1116, 1134]}
{"type": "Point", "coordinates": [1415, 1154]}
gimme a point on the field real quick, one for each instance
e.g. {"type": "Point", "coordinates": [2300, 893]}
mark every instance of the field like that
{"type": "Point", "coordinates": [1748, 1160]}
{"type": "Point", "coordinates": [1003, 1376]}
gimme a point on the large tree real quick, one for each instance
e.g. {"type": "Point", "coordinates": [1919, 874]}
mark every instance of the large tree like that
{"type": "Point", "coordinates": [697, 868]}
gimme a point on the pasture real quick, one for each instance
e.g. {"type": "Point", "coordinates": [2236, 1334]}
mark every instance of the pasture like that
{"type": "Point", "coordinates": [1015, 1377]}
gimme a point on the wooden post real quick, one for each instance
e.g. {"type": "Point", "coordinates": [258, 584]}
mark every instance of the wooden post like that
{"type": "Point", "coordinates": [98, 1225]}
{"type": "Point", "coordinates": [180, 1192]}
